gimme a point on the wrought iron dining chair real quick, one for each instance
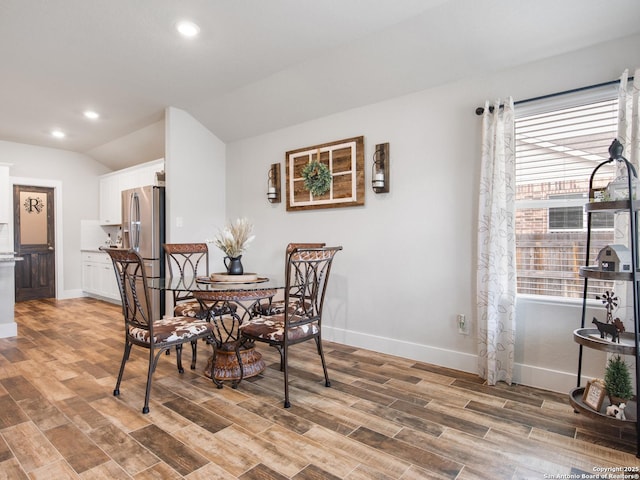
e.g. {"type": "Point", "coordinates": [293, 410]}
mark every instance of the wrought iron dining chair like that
{"type": "Point", "coordinates": [275, 307]}
{"type": "Point", "coordinates": [307, 275]}
{"type": "Point", "coordinates": [140, 323]}
{"type": "Point", "coordinates": [188, 261]}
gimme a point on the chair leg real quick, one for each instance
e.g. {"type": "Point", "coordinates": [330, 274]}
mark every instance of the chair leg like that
{"type": "Point", "coordinates": [277, 347]}
{"type": "Point", "coordinates": [327, 383]}
{"type": "Point", "coordinates": [125, 357]}
{"type": "Point", "coordinates": [179, 358]}
{"type": "Point", "coordinates": [194, 353]}
{"type": "Point", "coordinates": [153, 360]}
{"type": "Point", "coordinates": [285, 366]}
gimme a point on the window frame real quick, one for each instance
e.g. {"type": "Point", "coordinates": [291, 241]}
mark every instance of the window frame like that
{"type": "Point", "coordinates": [525, 271]}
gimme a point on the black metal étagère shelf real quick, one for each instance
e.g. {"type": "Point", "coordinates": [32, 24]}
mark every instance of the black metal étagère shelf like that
{"type": "Point", "coordinates": [588, 337]}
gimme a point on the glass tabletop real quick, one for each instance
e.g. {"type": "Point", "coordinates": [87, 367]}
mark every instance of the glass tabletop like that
{"type": "Point", "coordinates": [190, 284]}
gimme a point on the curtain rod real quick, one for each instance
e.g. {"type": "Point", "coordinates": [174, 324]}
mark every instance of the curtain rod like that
{"type": "Point", "coordinates": [480, 110]}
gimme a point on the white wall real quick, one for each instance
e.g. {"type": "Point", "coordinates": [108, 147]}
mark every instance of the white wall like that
{"type": "Point", "coordinates": [408, 262]}
{"type": "Point", "coordinates": [75, 177]}
{"type": "Point", "coordinates": [195, 180]}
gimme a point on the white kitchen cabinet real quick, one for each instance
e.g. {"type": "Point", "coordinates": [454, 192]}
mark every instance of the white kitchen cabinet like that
{"type": "Point", "coordinates": [6, 199]}
{"type": "Point", "coordinates": [112, 185]}
{"type": "Point", "coordinates": [98, 276]}
{"type": "Point", "coordinates": [110, 202]}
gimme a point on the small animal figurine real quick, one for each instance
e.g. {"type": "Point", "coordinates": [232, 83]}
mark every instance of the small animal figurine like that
{"type": "Point", "coordinates": [607, 329]}
{"type": "Point", "coordinates": [619, 325]}
{"type": "Point", "coordinates": [617, 411]}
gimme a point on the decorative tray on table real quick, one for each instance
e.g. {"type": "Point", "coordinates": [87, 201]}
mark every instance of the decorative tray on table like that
{"type": "Point", "coordinates": [226, 278]}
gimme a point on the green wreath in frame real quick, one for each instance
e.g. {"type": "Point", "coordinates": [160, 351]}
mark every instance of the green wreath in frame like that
{"type": "Point", "coordinates": [317, 178]}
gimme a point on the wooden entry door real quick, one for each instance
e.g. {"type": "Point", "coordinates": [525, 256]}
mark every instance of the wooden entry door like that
{"type": "Point", "coordinates": [34, 234]}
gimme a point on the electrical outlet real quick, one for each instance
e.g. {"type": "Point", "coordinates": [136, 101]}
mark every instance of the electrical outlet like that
{"type": "Point", "coordinates": [463, 327]}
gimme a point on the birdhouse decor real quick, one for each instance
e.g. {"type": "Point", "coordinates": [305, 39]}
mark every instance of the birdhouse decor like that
{"type": "Point", "coordinates": [614, 258]}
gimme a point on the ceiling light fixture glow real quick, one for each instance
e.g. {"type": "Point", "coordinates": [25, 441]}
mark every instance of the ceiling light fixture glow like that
{"type": "Point", "coordinates": [188, 29]}
{"type": "Point", "coordinates": [90, 114]}
{"type": "Point", "coordinates": [58, 133]}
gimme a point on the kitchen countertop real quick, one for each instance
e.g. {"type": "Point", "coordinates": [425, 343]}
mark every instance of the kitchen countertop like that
{"type": "Point", "coordinates": [94, 250]}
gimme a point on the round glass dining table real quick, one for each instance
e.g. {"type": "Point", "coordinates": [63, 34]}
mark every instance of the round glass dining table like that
{"type": "Point", "coordinates": [238, 300]}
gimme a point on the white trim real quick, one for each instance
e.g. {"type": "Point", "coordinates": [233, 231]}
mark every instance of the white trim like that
{"type": "Point", "coordinates": [530, 375]}
{"type": "Point", "coordinates": [57, 186]}
{"type": "Point", "coordinates": [553, 300]}
{"type": "Point", "coordinates": [422, 353]}
{"type": "Point", "coordinates": [9, 329]}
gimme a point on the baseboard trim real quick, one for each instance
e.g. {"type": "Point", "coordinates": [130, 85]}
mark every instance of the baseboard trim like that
{"type": "Point", "coordinates": [9, 329]}
{"type": "Point", "coordinates": [68, 294]}
{"type": "Point", "coordinates": [414, 351]}
{"type": "Point", "coordinates": [530, 375]}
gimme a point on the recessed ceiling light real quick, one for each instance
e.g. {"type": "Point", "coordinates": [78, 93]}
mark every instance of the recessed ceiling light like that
{"type": "Point", "coordinates": [188, 29]}
{"type": "Point", "coordinates": [91, 114]}
{"type": "Point", "coordinates": [58, 133]}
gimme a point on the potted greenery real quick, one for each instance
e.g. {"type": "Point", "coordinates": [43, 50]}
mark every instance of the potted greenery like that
{"type": "Point", "coordinates": [617, 381]}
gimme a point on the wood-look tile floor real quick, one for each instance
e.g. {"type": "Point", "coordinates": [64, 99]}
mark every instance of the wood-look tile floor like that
{"type": "Point", "coordinates": [383, 418]}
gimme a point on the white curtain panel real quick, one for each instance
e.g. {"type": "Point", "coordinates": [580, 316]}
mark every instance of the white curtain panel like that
{"type": "Point", "coordinates": [629, 136]}
{"type": "Point", "coordinates": [496, 273]}
{"type": "Point", "coordinates": [628, 133]}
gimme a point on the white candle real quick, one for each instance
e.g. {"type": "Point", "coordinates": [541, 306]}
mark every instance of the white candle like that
{"type": "Point", "coordinates": [378, 180]}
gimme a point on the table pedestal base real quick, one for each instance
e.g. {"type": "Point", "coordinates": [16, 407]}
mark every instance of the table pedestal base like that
{"type": "Point", "coordinates": [227, 368]}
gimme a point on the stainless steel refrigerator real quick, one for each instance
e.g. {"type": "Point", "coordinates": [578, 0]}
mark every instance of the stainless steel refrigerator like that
{"type": "Point", "coordinates": [143, 229]}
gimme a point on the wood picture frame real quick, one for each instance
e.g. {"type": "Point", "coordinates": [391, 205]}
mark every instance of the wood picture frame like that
{"type": "Point", "coordinates": [345, 161]}
{"type": "Point", "coordinates": [594, 394]}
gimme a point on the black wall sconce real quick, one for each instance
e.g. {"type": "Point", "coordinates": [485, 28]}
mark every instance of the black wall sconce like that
{"type": "Point", "coordinates": [380, 169]}
{"type": "Point", "coordinates": [273, 183]}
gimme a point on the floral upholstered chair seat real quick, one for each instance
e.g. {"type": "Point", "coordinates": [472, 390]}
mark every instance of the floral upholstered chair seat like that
{"type": "Point", "coordinates": [271, 329]}
{"type": "Point", "coordinates": [276, 307]}
{"type": "Point", "coordinates": [193, 309]}
{"type": "Point", "coordinates": [171, 329]}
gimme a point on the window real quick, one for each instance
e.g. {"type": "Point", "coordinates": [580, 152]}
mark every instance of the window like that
{"type": "Point", "coordinates": [559, 141]}
{"type": "Point", "coordinates": [575, 218]}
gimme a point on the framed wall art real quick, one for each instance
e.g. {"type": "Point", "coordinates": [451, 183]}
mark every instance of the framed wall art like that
{"type": "Point", "coordinates": [329, 175]}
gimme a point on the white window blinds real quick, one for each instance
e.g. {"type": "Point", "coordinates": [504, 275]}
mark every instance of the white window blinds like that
{"type": "Point", "coordinates": [559, 141]}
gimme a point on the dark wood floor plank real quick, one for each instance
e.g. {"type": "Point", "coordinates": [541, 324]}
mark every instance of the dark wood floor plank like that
{"type": "Point", "coordinates": [77, 449]}
{"type": "Point", "coordinates": [5, 451]}
{"type": "Point", "coordinates": [312, 472]}
{"type": "Point", "coordinates": [20, 388]}
{"type": "Point", "coordinates": [82, 414]}
{"type": "Point", "coordinates": [261, 472]}
{"type": "Point", "coordinates": [201, 416]}
{"type": "Point", "coordinates": [173, 453]}
{"type": "Point", "coordinates": [10, 412]}
{"type": "Point", "coordinates": [524, 418]}
{"type": "Point", "coordinates": [478, 454]}
{"type": "Point", "coordinates": [400, 418]}
{"type": "Point", "coordinates": [129, 454]}
{"type": "Point", "coordinates": [408, 452]}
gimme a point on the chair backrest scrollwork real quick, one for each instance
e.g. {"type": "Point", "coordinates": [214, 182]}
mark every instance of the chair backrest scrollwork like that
{"type": "Point", "coordinates": [308, 272]}
{"type": "Point", "coordinates": [133, 287]}
{"type": "Point", "coordinates": [187, 261]}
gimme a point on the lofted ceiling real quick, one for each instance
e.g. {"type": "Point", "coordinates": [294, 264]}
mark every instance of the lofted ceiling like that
{"type": "Point", "coordinates": [257, 65]}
